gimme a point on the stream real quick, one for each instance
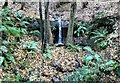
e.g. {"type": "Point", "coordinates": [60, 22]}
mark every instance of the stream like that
{"type": "Point", "coordinates": [60, 31]}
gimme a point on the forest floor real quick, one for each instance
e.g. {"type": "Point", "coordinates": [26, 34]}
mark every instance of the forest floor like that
{"type": "Point", "coordinates": [62, 62]}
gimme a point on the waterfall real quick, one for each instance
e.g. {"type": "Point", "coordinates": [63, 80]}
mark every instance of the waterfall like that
{"type": "Point", "coordinates": [60, 30]}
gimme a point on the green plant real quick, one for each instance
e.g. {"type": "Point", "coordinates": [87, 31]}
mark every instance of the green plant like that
{"type": "Point", "coordinates": [30, 45]}
{"type": "Point", "coordinates": [100, 15]}
{"type": "Point", "coordinates": [8, 26]}
{"type": "Point", "coordinates": [5, 56]}
{"type": "Point", "coordinates": [117, 71]}
{"type": "Point", "coordinates": [10, 30]}
{"type": "Point", "coordinates": [21, 19]}
{"type": "Point", "coordinates": [74, 48]}
{"type": "Point", "coordinates": [88, 49]}
{"type": "Point", "coordinates": [81, 28]}
{"type": "Point", "coordinates": [12, 78]}
{"type": "Point", "coordinates": [94, 68]}
{"type": "Point", "coordinates": [47, 53]}
{"type": "Point", "coordinates": [99, 34]}
{"type": "Point", "coordinates": [36, 33]}
{"type": "Point", "coordinates": [109, 66]}
{"type": "Point", "coordinates": [100, 37]}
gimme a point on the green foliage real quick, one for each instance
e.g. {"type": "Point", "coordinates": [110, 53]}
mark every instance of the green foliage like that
{"type": "Point", "coordinates": [74, 48]}
{"type": "Point", "coordinates": [93, 70]}
{"type": "Point", "coordinates": [36, 33]}
{"type": "Point", "coordinates": [8, 25]}
{"type": "Point", "coordinates": [5, 56]}
{"type": "Point", "coordinates": [99, 34]}
{"type": "Point", "coordinates": [101, 26]}
{"type": "Point", "coordinates": [81, 29]}
{"type": "Point", "coordinates": [100, 37]}
{"type": "Point", "coordinates": [6, 52]}
{"type": "Point", "coordinates": [30, 45]}
{"type": "Point", "coordinates": [88, 58]}
{"type": "Point", "coordinates": [23, 31]}
{"type": "Point", "coordinates": [100, 15]}
{"type": "Point", "coordinates": [18, 77]}
{"type": "Point", "coordinates": [1, 60]}
{"type": "Point", "coordinates": [10, 31]}
{"type": "Point", "coordinates": [47, 53]}
{"type": "Point", "coordinates": [88, 49]}
{"type": "Point", "coordinates": [117, 71]}
{"type": "Point", "coordinates": [109, 66]}
{"type": "Point", "coordinates": [6, 12]}
{"type": "Point", "coordinates": [3, 48]}
{"type": "Point", "coordinates": [103, 44]}
{"type": "Point", "coordinates": [10, 57]}
{"type": "Point", "coordinates": [21, 19]}
{"type": "Point", "coordinates": [86, 74]}
{"type": "Point", "coordinates": [12, 78]}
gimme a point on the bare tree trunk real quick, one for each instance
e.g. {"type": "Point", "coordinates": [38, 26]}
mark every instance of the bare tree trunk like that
{"type": "Point", "coordinates": [118, 31]}
{"type": "Point", "coordinates": [41, 26]}
{"type": "Point", "coordinates": [0, 32]}
{"type": "Point", "coordinates": [46, 24]}
{"type": "Point", "coordinates": [119, 12]}
{"type": "Point", "coordinates": [50, 36]}
{"type": "Point", "coordinates": [71, 24]}
{"type": "Point", "coordinates": [42, 36]}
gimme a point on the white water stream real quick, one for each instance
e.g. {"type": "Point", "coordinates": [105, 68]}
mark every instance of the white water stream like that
{"type": "Point", "coordinates": [60, 30]}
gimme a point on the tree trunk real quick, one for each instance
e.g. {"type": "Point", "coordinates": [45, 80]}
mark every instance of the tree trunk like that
{"type": "Point", "coordinates": [118, 31]}
{"type": "Point", "coordinates": [71, 24]}
{"type": "Point", "coordinates": [0, 32]}
{"type": "Point", "coordinates": [41, 26]}
{"type": "Point", "coordinates": [46, 24]}
{"type": "Point", "coordinates": [119, 13]}
{"type": "Point", "coordinates": [50, 36]}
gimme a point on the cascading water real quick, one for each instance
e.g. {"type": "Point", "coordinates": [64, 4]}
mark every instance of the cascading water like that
{"type": "Point", "coordinates": [60, 31]}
